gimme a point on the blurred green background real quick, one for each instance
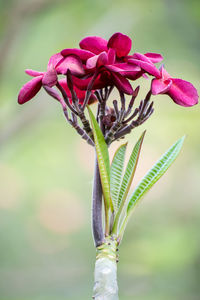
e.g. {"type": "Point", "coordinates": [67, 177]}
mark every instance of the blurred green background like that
{"type": "Point", "coordinates": [46, 247]}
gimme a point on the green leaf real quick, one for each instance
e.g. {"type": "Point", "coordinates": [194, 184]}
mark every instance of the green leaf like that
{"type": "Point", "coordinates": [116, 174]}
{"type": "Point", "coordinates": [103, 160]}
{"type": "Point", "coordinates": [130, 171]}
{"type": "Point", "coordinates": [127, 180]}
{"type": "Point", "coordinates": [154, 174]}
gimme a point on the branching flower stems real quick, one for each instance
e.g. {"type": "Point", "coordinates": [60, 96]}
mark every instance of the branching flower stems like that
{"type": "Point", "coordinates": [115, 122]}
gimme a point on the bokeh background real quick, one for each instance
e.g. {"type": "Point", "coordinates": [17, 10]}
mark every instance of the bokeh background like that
{"type": "Point", "coordinates": [46, 247]}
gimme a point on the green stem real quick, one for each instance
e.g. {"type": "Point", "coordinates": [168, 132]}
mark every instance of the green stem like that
{"type": "Point", "coordinates": [118, 215]}
{"type": "Point", "coordinates": [122, 229]}
{"type": "Point", "coordinates": [106, 287]}
{"type": "Point", "coordinates": [107, 223]}
{"type": "Point", "coordinates": [116, 221]}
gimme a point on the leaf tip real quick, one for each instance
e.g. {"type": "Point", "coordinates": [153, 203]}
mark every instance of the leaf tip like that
{"type": "Point", "coordinates": [181, 140]}
{"type": "Point", "coordinates": [143, 134]}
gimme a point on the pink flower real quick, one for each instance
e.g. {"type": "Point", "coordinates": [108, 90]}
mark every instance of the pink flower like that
{"type": "Point", "coordinates": [182, 92]}
{"type": "Point", "coordinates": [112, 62]}
{"type": "Point", "coordinates": [56, 65]}
{"type": "Point", "coordinates": [105, 58]}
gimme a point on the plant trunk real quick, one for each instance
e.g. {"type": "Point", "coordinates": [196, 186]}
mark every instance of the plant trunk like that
{"type": "Point", "coordinates": [105, 276]}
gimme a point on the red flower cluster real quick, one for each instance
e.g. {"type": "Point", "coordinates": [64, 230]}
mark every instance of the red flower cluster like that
{"type": "Point", "coordinates": [100, 63]}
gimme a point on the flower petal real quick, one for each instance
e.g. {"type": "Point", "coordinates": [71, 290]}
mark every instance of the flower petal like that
{"type": "Point", "coordinates": [158, 86]}
{"type": "Point", "coordinates": [164, 73]}
{"type": "Point", "coordinates": [30, 89]}
{"type": "Point", "coordinates": [54, 60]}
{"type": "Point", "coordinates": [142, 57]}
{"type": "Point", "coordinates": [120, 67]}
{"type": "Point", "coordinates": [71, 62]}
{"type": "Point", "coordinates": [82, 54]}
{"type": "Point", "coordinates": [82, 84]}
{"type": "Point", "coordinates": [97, 61]}
{"type": "Point", "coordinates": [121, 43]}
{"type": "Point", "coordinates": [126, 70]}
{"type": "Point", "coordinates": [102, 59]}
{"type": "Point", "coordinates": [92, 62]}
{"type": "Point", "coordinates": [50, 77]}
{"type": "Point", "coordinates": [111, 56]}
{"type": "Point", "coordinates": [33, 72]}
{"type": "Point", "coordinates": [122, 84]}
{"type": "Point", "coordinates": [95, 44]}
{"type": "Point", "coordinates": [133, 75]}
{"type": "Point", "coordinates": [154, 57]}
{"type": "Point", "coordinates": [146, 66]}
{"type": "Point", "coordinates": [183, 92]}
{"type": "Point", "coordinates": [100, 82]}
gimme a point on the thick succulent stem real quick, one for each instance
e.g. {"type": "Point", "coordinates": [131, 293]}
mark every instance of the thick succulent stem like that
{"type": "Point", "coordinates": [105, 286]}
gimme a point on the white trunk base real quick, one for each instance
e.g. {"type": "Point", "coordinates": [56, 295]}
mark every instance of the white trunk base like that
{"type": "Point", "coordinates": [105, 276]}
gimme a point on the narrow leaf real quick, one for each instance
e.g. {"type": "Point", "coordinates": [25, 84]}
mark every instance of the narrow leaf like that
{"type": "Point", "coordinates": [103, 159]}
{"type": "Point", "coordinates": [130, 171]}
{"type": "Point", "coordinates": [116, 171]}
{"type": "Point", "coordinates": [127, 180]}
{"type": "Point", "coordinates": [155, 173]}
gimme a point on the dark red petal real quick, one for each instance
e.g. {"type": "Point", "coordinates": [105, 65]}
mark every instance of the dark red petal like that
{"type": "Point", "coordinates": [121, 43]}
{"type": "Point", "coordinates": [111, 56]}
{"type": "Point", "coordinates": [30, 89]}
{"type": "Point", "coordinates": [82, 54]}
{"type": "Point", "coordinates": [95, 44]}
{"type": "Point", "coordinates": [134, 75]}
{"type": "Point", "coordinates": [80, 93]}
{"type": "Point", "coordinates": [183, 92]}
{"type": "Point", "coordinates": [122, 84]}
{"type": "Point", "coordinates": [82, 84]}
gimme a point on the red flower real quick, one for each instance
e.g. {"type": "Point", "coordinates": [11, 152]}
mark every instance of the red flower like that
{"type": "Point", "coordinates": [110, 60]}
{"type": "Point", "coordinates": [100, 63]}
{"type": "Point", "coordinates": [56, 65]}
{"type": "Point", "coordinates": [105, 58]}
